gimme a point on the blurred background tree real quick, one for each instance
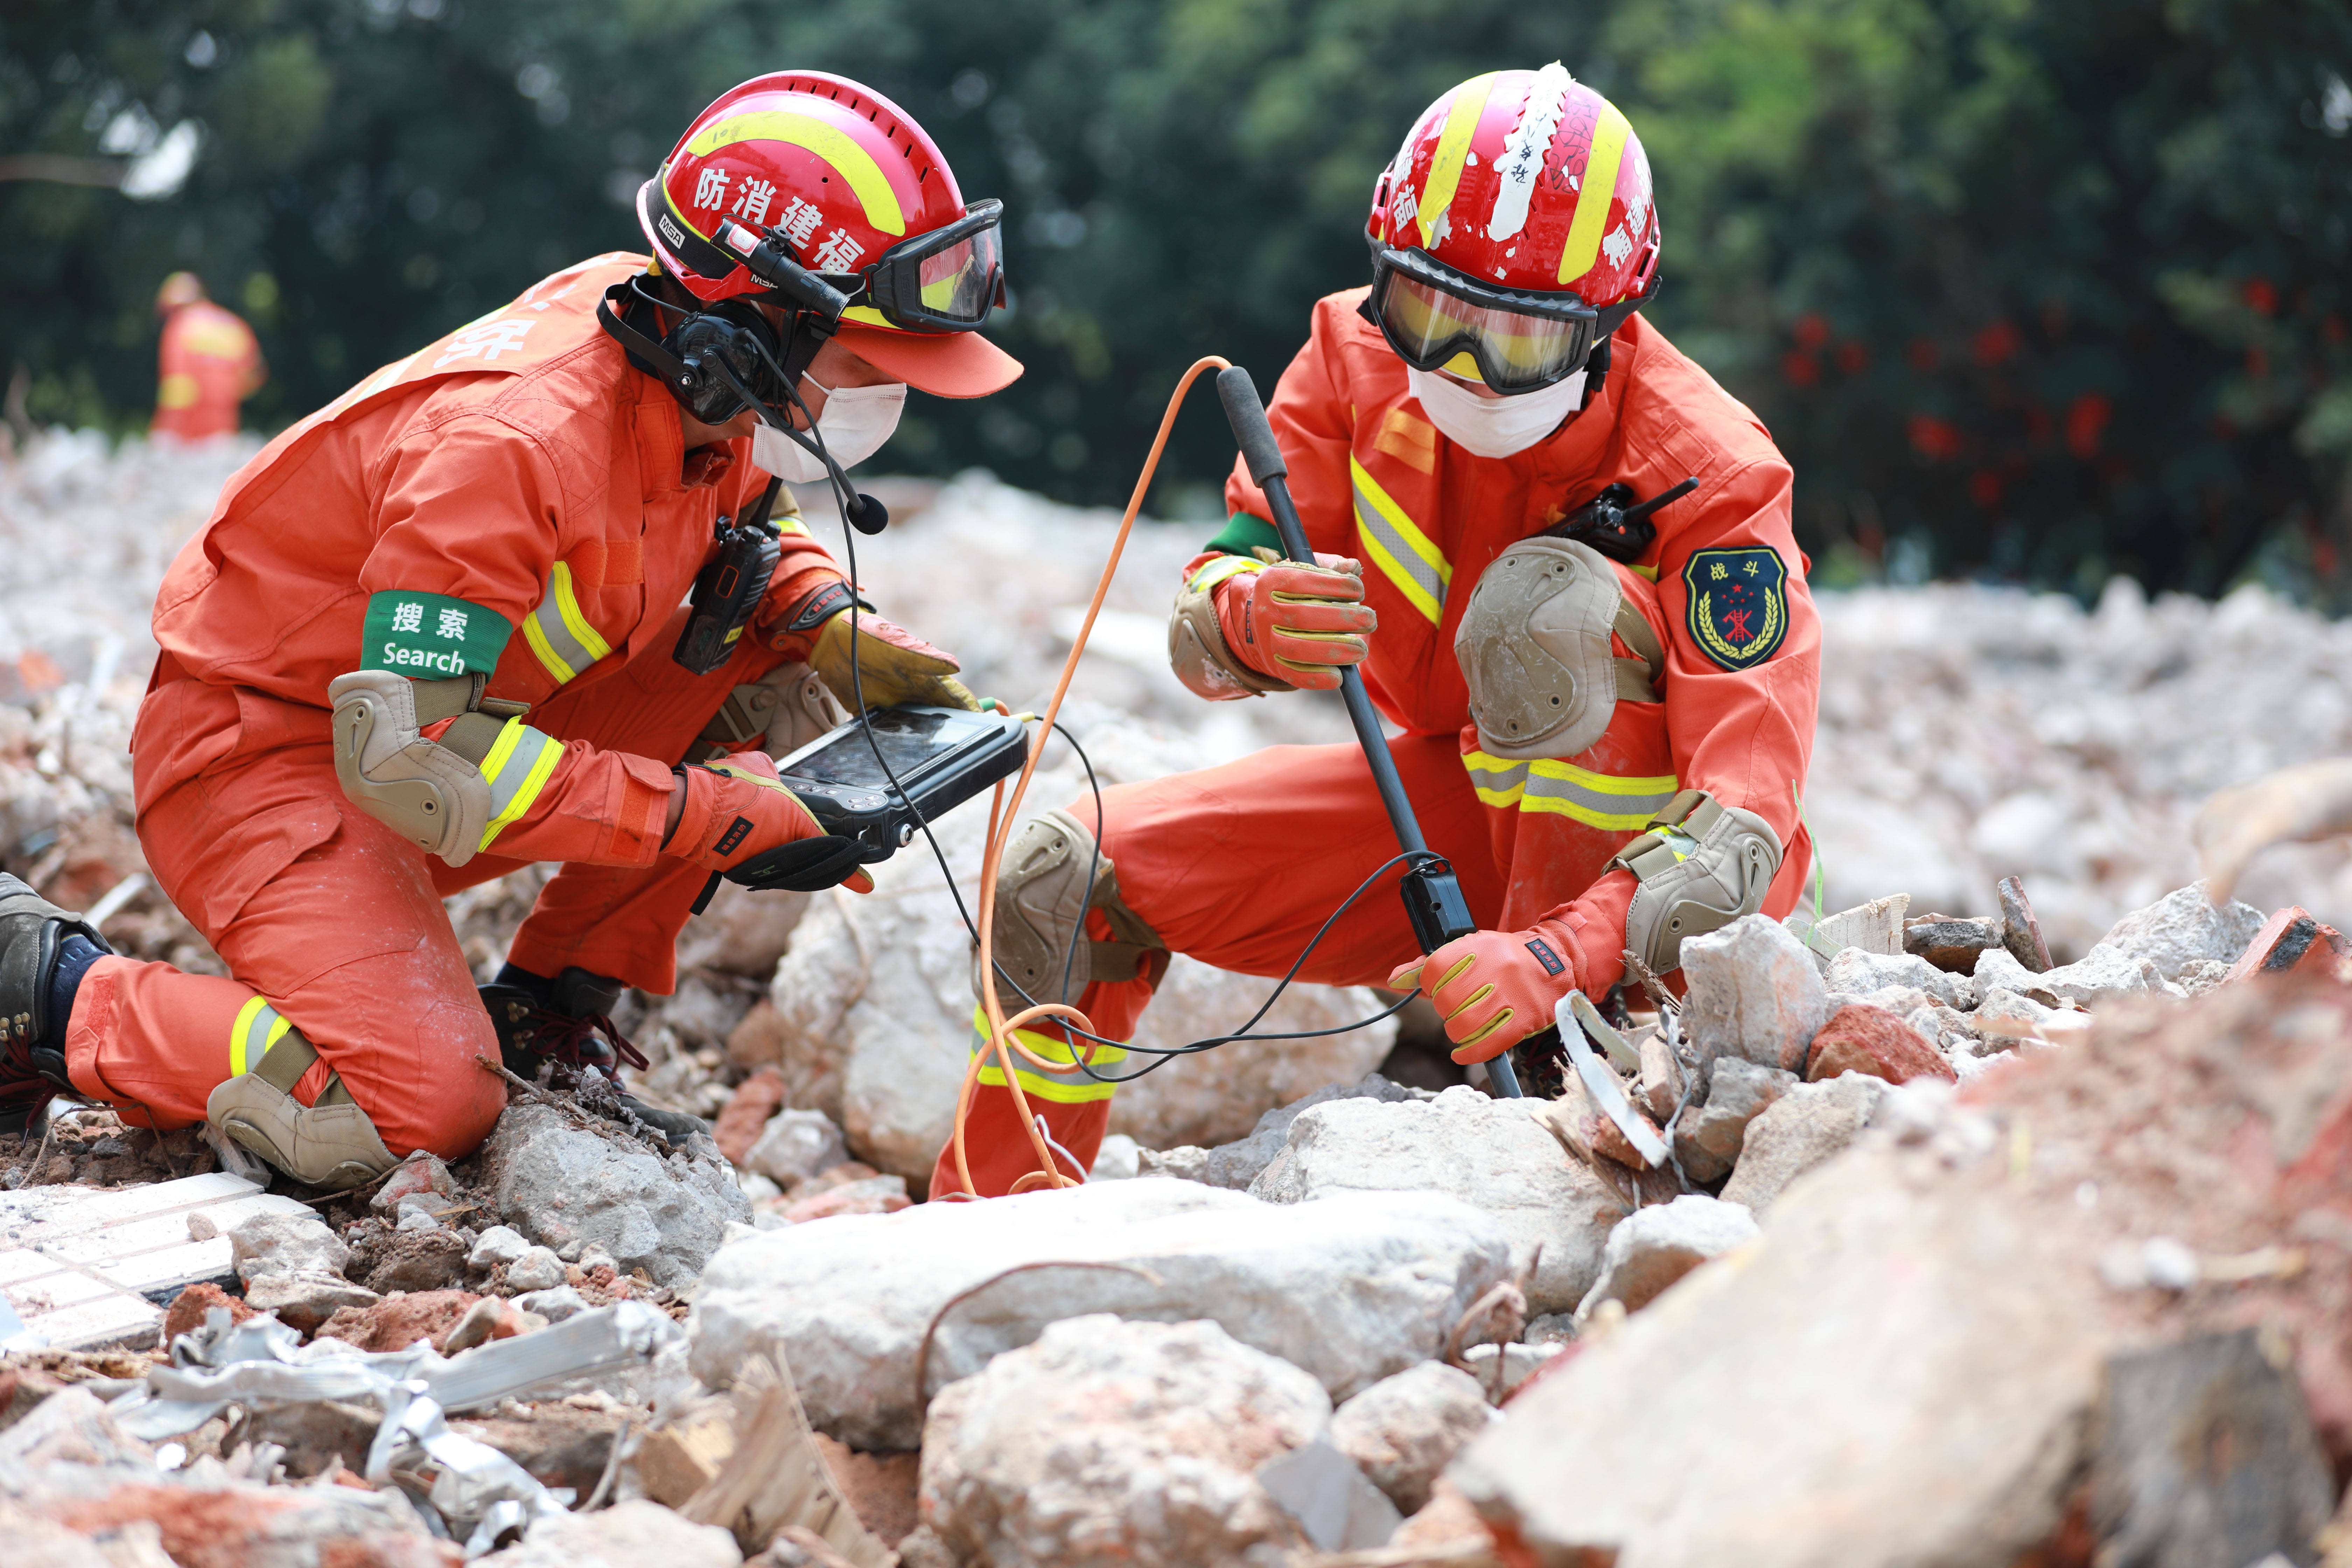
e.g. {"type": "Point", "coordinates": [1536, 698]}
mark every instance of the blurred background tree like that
{"type": "Point", "coordinates": [2041, 291]}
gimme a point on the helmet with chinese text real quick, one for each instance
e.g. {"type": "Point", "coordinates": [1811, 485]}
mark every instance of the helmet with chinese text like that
{"type": "Point", "coordinates": [837, 169]}
{"type": "Point", "coordinates": [1525, 181]}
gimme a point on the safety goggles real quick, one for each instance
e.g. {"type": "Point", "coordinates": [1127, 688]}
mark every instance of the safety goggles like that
{"type": "Point", "coordinates": [1431, 315]}
{"type": "Point", "coordinates": [944, 281]}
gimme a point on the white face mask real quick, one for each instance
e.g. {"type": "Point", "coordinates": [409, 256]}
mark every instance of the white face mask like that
{"type": "Point", "coordinates": [1493, 426]}
{"type": "Point", "coordinates": [856, 422]}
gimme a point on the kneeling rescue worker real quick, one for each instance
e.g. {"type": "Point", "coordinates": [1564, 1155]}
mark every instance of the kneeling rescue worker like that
{"type": "Point", "coordinates": [431, 633]}
{"type": "Point", "coordinates": [1604, 732]}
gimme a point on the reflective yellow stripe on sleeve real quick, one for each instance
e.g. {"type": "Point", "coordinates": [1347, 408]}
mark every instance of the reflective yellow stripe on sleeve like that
{"type": "Point", "coordinates": [1072, 1088]}
{"type": "Point", "coordinates": [517, 769]}
{"type": "Point", "coordinates": [559, 634]}
{"type": "Point", "coordinates": [1597, 800]}
{"type": "Point", "coordinates": [1223, 567]}
{"type": "Point", "coordinates": [258, 1026]}
{"type": "Point", "coordinates": [1402, 552]}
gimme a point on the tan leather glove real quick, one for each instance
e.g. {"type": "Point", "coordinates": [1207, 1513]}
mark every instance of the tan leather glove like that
{"type": "Point", "coordinates": [894, 665]}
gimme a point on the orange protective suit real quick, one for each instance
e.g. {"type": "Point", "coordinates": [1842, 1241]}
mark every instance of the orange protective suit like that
{"type": "Point", "coordinates": [208, 363]}
{"type": "Point", "coordinates": [1238, 864]}
{"type": "Point", "coordinates": [517, 475]}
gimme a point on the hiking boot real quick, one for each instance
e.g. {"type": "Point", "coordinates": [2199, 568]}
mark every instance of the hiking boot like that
{"type": "Point", "coordinates": [568, 1021]}
{"type": "Point", "coordinates": [34, 934]}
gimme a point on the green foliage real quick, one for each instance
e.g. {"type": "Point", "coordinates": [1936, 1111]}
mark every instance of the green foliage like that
{"type": "Point", "coordinates": [2038, 289]}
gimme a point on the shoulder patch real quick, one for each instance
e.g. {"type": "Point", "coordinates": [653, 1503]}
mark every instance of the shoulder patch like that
{"type": "Point", "coordinates": [1738, 610]}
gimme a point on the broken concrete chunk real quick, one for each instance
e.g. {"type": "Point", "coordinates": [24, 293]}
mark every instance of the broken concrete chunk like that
{"type": "Point", "coordinates": [1119, 1159]}
{"type": "Point", "coordinates": [1951, 944]}
{"type": "Point", "coordinates": [1998, 970]}
{"type": "Point", "coordinates": [1754, 994]}
{"type": "Point", "coordinates": [1109, 1442]}
{"type": "Point", "coordinates": [1330, 1500]}
{"type": "Point", "coordinates": [1352, 1287]}
{"type": "Point", "coordinates": [2183, 928]}
{"type": "Point", "coordinates": [285, 1243]}
{"type": "Point", "coordinates": [566, 1185]}
{"type": "Point", "coordinates": [1663, 1080]}
{"type": "Point", "coordinates": [1804, 1127]}
{"type": "Point", "coordinates": [1865, 972]}
{"type": "Point", "coordinates": [306, 1298]}
{"type": "Point", "coordinates": [1873, 927]}
{"type": "Point", "coordinates": [1404, 1430]}
{"type": "Point", "coordinates": [639, 1533]}
{"type": "Point", "coordinates": [499, 1243]}
{"type": "Point", "coordinates": [2103, 974]}
{"type": "Point", "coordinates": [2003, 1016]}
{"type": "Point", "coordinates": [1870, 1040]}
{"type": "Point", "coordinates": [554, 1304]}
{"type": "Point", "coordinates": [1652, 1247]}
{"type": "Point", "coordinates": [795, 1145]}
{"type": "Point", "coordinates": [1237, 1165]}
{"type": "Point", "coordinates": [537, 1269]}
{"type": "Point", "coordinates": [1708, 1138]}
{"type": "Point", "coordinates": [2206, 1453]}
{"type": "Point", "coordinates": [1490, 1153]}
{"type": "Point", "coordinates": [422, 1174]}
{"type": "Point", "coordinates": [2021, 932]}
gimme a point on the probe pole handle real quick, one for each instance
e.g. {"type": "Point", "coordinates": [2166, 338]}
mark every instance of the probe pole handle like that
{"type": "Point", "coordinates": [1433, 896]}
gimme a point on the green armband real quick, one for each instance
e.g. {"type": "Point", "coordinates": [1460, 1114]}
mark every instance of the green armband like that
{"type": "Point", "coordinates": [1245, 535]}
{"type": "Point", "coordinates": [431, 637]}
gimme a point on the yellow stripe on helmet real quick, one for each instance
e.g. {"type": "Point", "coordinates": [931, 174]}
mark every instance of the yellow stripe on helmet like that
{"type": "Point", "coordinates": [853, 164]}
{"type": "Point", "coordinates": [1594, 190]}
{"type": "Point", "coordinates": [1461, 118]}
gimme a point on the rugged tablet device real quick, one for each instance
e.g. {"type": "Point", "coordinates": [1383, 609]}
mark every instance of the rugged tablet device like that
{"type": "Point", "coordinates": [942, 756]}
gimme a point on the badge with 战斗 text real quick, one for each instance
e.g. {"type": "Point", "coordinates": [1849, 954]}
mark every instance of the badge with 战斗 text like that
{"type": "Point", "coordinates": [1738, 610]}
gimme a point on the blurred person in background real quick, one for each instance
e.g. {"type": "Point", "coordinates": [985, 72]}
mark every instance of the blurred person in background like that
{"type": "Point", "coordinates": [1604, 727]}
{"type": "Point", "coordinates": [433, 633]}
{"type": "Point", "coordinates": [208, 365]}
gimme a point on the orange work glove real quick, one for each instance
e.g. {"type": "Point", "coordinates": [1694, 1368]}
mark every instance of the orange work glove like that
{"type": "Point", "coordinates": [1293, 622]}
{"type": "Point", "coordinates": [738, 820]}
{"type": "Point", "coordinates": [1494, 988]}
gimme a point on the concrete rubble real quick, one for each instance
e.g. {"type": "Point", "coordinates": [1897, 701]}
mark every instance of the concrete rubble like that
{"type": "Point", "coordinates": [1990, 1226]}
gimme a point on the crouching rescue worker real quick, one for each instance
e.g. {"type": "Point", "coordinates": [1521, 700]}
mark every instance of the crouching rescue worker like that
{"type": "Point", "coordinates": [1603, 722]}
{"type": "Point", "coordinates": [433, 633]}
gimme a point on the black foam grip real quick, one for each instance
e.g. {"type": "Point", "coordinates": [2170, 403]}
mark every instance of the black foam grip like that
{"type": "Point", "coordinates": [1251, 432]}
{"type": "Point", "coordinates": [806, 866]}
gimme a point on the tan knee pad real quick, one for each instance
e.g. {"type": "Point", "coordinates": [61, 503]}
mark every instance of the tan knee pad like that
{"type": "Point", "coordinates": [1535, 651]}
{"type": "Point", "coordinates": [784, 712]}
{"type": "Point", "coordinates": [1700, 866]}
{"type": "Point", "coordinates": [330, 1144]}
{"type": "Point", "coordinates": [1041, 904]}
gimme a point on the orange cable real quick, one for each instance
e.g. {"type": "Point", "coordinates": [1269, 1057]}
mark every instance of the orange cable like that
{"type": "Point", "coordinates": [1002, 814]}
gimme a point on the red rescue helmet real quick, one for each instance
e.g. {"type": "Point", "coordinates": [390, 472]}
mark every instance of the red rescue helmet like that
{"type": "Point", "coordinates": [1513, 231]}
{"type": "Point", "coordinates": [856, 190]}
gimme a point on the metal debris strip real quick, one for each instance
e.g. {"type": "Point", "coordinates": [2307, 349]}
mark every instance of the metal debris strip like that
{"type": "Point", "coordinates": [1574, 1015]}
{"type": "Point", "coordinates": [479, 1495]}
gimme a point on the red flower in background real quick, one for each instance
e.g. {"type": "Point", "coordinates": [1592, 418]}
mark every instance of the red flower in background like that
{"type": "Point", "coordinates": [2087, 416]}
{"type": "Point", "coordinates": [1933, 439]}
{"type": "Point", "coordinates": [1813, 332]}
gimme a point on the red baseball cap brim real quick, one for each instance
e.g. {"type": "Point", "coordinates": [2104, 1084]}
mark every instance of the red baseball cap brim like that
{"type": "Point", "coordinates": [945, 364]}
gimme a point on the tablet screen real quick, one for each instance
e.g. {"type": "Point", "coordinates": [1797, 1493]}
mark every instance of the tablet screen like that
{"type": "Point", "coordinates": [911, 741]}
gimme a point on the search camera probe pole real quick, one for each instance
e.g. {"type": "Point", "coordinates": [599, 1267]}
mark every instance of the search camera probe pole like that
{"type": "Point", "coordinates": [1432, 895]}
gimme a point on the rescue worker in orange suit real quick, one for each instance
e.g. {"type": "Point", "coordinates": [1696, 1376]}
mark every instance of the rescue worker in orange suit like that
{"type": "Point", "coordinates": [428, 637]}
{"type": "Point", "coordinates": [208, 363]}
{"type": "Point", "coordinates": [1603, 735]}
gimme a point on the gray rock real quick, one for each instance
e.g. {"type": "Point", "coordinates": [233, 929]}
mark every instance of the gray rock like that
{"type": "Point", "coordinates": [1708, 1137]}
{"type": "Point", "coordinates": [1350, 1288]}
{"type": "Point", "coordinates": [630, 1534]}
{"type": "Point", "coordinates": [554, 1304]}
{"type": "Point", "coordinates": [1999, 970]}
{"type": "Point", "coordinates": [795, 1145]}
{"type": "Point", "coordinates": [1500, 1369]}
{"type": "Point", "coordinates": [284, 1244]}
{"type": "Point", "coordinates": [1237, 1165]}
{"type": "Point", "coordinates": [1866, 972]}
{"type": "Point", "coordinates": [1943, 1367]}
{"type": "Point", "coordinates": [2201, 975]}
{"type": "Point", "coordinates": [568, 1187]}
{"type": "Point", "coordinates": [537, 1269]}
{"type": "Point", "coordinates": [1949, 1032]}
{"type": "Point", "coordinates": [1491, 1153]}
{"type": "Point", "coordinates": [1110, 1443]}
{"type": "Point", "coordinates": [1753, 992]}
{"type": "Point", "coordinates": [417, 1220]}
{"type": "Point", "coordinates": [2105, 974]}
{"type": "Point", "coordinates": [1404, 1429]}
{"type": "Point", "coordinates": [499, 1243]}
{"type": "Point", "coordinates": [1803, 1128]}
{"type": "Point", "coordinates": [1655, 1247]}
{"type": "Point", "coordinates": [1951, 944]}
{"type": "Point", "coordinates": [1119, 1159]}
{"type": "Point", "coordinates": [1327, 1497]}
{"type": "Point", "coordinates": [2004, 1016]}
{"type": "Point", "coordinates": [1663, 1080]}
{"type": "Point", "coordinates": [2183, 928]}
{"type": "Point", "coordinates": [305, 1296]}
